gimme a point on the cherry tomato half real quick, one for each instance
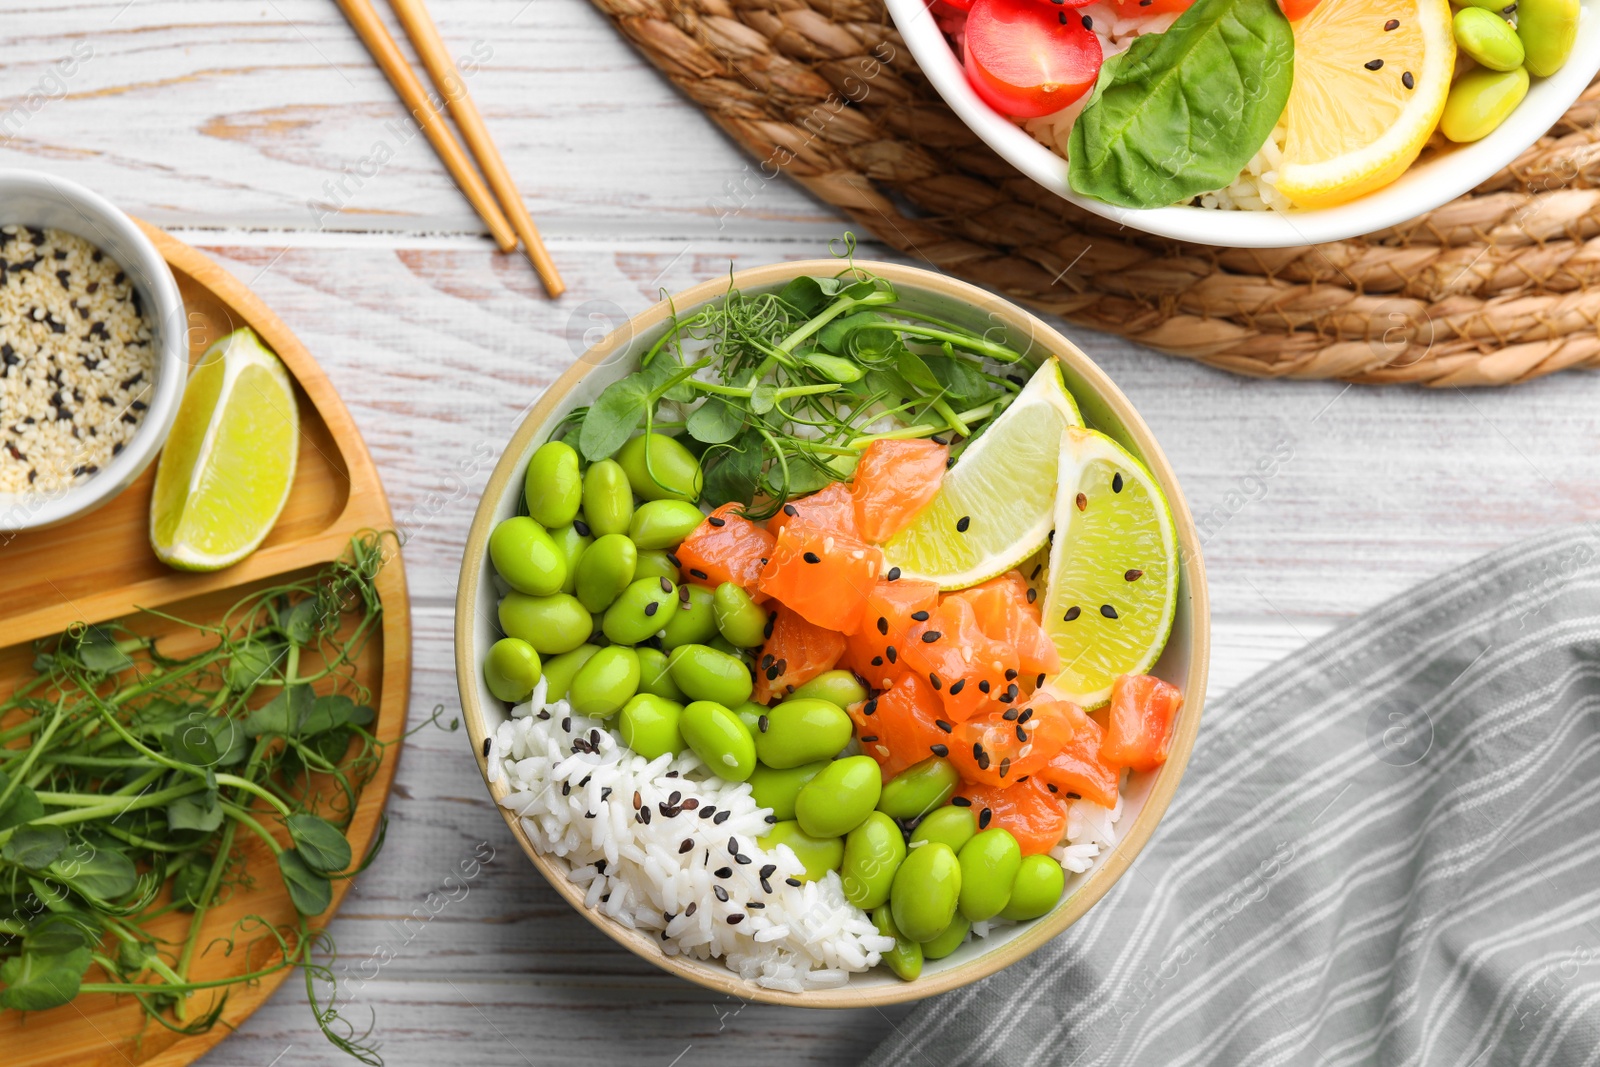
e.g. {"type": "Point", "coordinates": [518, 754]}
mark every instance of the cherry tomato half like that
{"type": "Point", "coordinates": [1026, 58]}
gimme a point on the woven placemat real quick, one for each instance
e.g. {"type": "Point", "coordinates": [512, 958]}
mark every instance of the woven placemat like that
{"type": "Point", "coordinates": [1500, 286]}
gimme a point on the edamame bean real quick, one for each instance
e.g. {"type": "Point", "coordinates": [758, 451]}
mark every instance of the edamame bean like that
{"type": "Point", "coordinates": [803, 731]}
{"type": "Point", "coordinates": [841, 688]}
{"type": "Point", "coordinates": [656, 563]}
{"type": "Point", "coordinates": [571, 544]}
{"type": "Point", "coordinates": [605, 683]}
{"type": "Point", "coordinates": [1480, 101]}
{"type": "Point", "coordinates": [739, 618]}
{"type": "Point", "coordinates": [553, 487]}
{"type": "Point", "coordinates": [663, 523]}
{"type": "Point", "coordinates": [706, 674]}
{"type": "Point", "coordinates": [951, 825]}
{"type": "Point", "coordinates": [511, 670]}
{"type": "Point", "coordinates": [873, 851]}
{"type": "Point", "coordinates": [1488, 38]}
{"type": "Point", "coordinates": [607, 498]}
{"type": "Point", "coordinates": [1036, 888]}
{"type": "Point", "coordinates": [722, 644]}
{"type": "Point", "coordinates": [551, 624]}
{"type": "Point", "coordinates": [605, 570]}
{"type": "Point", "coordinates": [840, 797]}
{"type": "Point", "coordinates": [640, 611]}
{"type": "Point", "coordinates": [818, 855]}
{"type": "Point", "coordinates": [775, 789]}
{"type": "Point", "coordinates": [1549, 30]}
{"type": "Point", "coordinates": [650, 725]}
{"type": "Point", "coordinates": [692, 622]}
{"type": "Point", "coordinates": [672, 472]}
{"type": "Point", "coordinates": [526, 557]}
{"type": "Point", "coordinates": [654, 678]}
{"type": "Point", "coordinates": [559, 671]}
{"type": "Point", "coordinates": [721, 741]}
{"type": "Point", "coordinates": [949, 941]}
{"type": "Point", "coordinates": [989, 864]}
{"type": "Point", "coordinates": [919, 789]}
{"type": "Point", "coordinates": [923, 896]}
{"type": "Point", "coordinates": [905, 959]}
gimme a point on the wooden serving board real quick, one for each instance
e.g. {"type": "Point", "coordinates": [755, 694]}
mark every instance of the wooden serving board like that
{"type": "Point", "coordinates": [100, 567]}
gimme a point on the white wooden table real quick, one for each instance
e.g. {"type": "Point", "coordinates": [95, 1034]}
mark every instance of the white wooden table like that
{"type": "Point", "coordinates": [260, 131]}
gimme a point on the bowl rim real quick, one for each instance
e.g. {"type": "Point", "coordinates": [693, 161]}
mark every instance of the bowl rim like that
{"type": "Point", "coordinates": [167, 318]}
{"type": "Point", "coordinates": [1134, 836]}
{"type": "Point", "coordinates": [1442, 180]}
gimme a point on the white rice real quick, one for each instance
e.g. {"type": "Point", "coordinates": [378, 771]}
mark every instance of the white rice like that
{"type": "Point", "coordinates": [574, 786]}
{"type": "Point", "coordinates": [1255, 189]}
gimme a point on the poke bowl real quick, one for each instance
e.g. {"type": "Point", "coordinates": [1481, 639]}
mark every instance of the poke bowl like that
{"type": "Point", "coordinates": [678, 783]}
{"type": "Point", "coordinates": [1286, 122]}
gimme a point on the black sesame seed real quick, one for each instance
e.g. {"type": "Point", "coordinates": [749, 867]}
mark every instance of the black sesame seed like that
{"type": "Point", "coordinates": [890, 653]}
{"type": "Point", "coordinates": [793, 881]}
{"type": "Point", "coordinates": [651, 608]}
{"type": "Point", "coordinates": [983, 761]}
{"type": "Point", "coordinates": [694, 572]}
{"type": "Point", "coordinates": [811, 557]}
{"type": "Point", "coordinates": [674, 560]}
{"type": "Point", "coordinates": [870, 706]}
{"type": "Point", "coordinates": [761, 723]}
{"type": "Point", "coordinates": [933, 680]}
{"type": "Point", "coordinates": [772, 619]}
{"type": "Point", "coordinates": [708, 811]}
{"type": "Point", "coordinates": [1408, 80]}
{"type": "Point", "coordinates": [1007, 697]}
{"type": "Point", "coordinates": [958, 685]}
{"type": "Point", "coordinates": [930, 636]}
{"type": "Point", "coordinates": [983, 818]}
{"type": "Point", "coordinates": [1027, 713]}
{"type": "Point", "coordinates": [962, 523]}
{"type": "Point", "coordinates": [721, 817]}
{"type": "Point", "coordinates": [945, 726]}
{"type": "Point", "coordinates": [877, 661]}
{"type": "Point", "coordinates": [1010, 715]}
{"type": "Point", "coordinates": [869, 739]}
{"type": "Point", "coordinates": [949, 461]}
{"type": "Point", "coordinates": [1011, 675]}
{"type": "Point", "coordinates": [1088, 23]}
{"type": "Point", "coordinates": [718, 523]}
{"type": "Point", "coordinates": [920, 616]}
{"type": "Point", "coordinates": [723, 872]}
{"type": "Point", "coordinates": [743, 860]}
{"type": "Point", "coordinates": [1022, 735]}
{"type": "Point", "coordinates": [486, 742]}
{"type": "Point", "coordinates": [686, 845]}
{"type": "Point", "coordinates": [768, 870]}
{"type": "Point", "coordinates": [790, 510]}
{"type": "Point", "coordinates": [722, 894]}
{"type": "Point", "coordinates": [961, 802]}
{"type": "Point", "coordinates": [666, 586]}
{"type": "Point", "coordinates": [581, 528]}
{"type": "Point", "coordinates": [1005, 765]}
{"type": "Point", "coordinates": [1391, 25]}
{"type": "Point", "coordinates": [1374, 64]}
{"type": "Point", "coordinates": [1072, 613]}
{"type": "Point", "coordinates": [893, 575]}
{"type": "Point", "coordinates": [1033, 594]}
{"type": "Point", "coordinates": [883, 624]}
{"type": "Point", "coordinates": [693, 907]}
{"type": "Point", "coordinates": [983, 686]}
{"type": "Point", "coordinates": [772, 673]}
{"type": "Point", "coordinates": [1108, 611]}
{"type": "Point", "coordinates": [939, 750]}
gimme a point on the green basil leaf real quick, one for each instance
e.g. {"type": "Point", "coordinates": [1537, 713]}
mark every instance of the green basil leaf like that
{"type": "Point", "coordinates": [97, 873]}
{"type": "Point", "coordinates": [613, 417]}
{"type": "Point", "coordinates": [715, 421]}
{"type": "Point", "coordinates": [34, 847]}
{"type": "Point", "coordinates": [283, 715]}
{"type": "Point", "coordinates": [320, 844]}
{"type": "Point", "coordinates": [1181, 112]}
{"type": "Point", "coordinates": [38, 983]}
{"type": "Point", "coordinates": [309, 891]}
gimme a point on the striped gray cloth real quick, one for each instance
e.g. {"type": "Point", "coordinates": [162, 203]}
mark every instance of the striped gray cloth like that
{"type": "Point", "coordinates": [1386, 850]}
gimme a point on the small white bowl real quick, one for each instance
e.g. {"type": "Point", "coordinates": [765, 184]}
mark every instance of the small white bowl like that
{"type": "Point", "coordinates": [1420, 190]}
{"type": "Point", "coordinates": [33, 198]}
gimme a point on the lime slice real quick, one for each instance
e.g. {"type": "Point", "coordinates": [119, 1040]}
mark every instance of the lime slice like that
{"type": "Point", "coordinates": [1113, 568]}
{"type": "Point", "coordinates": [995, 507]}
{"type": "Point", "coordinates": [227, 466]}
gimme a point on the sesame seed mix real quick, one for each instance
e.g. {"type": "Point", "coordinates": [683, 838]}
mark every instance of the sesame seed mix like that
{"type": "Point", "coordinates": [76, 360]}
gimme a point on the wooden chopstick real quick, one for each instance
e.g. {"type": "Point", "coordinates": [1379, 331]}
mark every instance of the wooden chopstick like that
{"type": "Point", "coordinates": [376, 37]}
{"type": "Point", "coordinates": [424, 35]}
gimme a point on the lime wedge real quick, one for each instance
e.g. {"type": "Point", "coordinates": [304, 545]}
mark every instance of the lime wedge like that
{"type": "Point", "coordinates": [995, 507]}
{"type": "Point", "coordinates": [227, 466]}
{"type": "Point", "coordinates": [1113, 568]}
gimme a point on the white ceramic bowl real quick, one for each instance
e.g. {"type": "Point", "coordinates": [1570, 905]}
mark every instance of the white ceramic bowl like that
{"type": "Point", "coordinates": [42, 200]}
{"type": "Point", "coordinates": [1422, 188]}
{"type": "Point", "coordinates": [1184, 662]}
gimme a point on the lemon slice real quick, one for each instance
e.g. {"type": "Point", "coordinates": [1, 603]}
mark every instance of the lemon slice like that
{"type": "Point", "coordinates": [1352, 129]}
{"type": "Point", "coordinates": [229, 462]}
{"type": "Point", "coordinates": [995, 507]}
{"type": "Point", "coordinates": [1113, 568]}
